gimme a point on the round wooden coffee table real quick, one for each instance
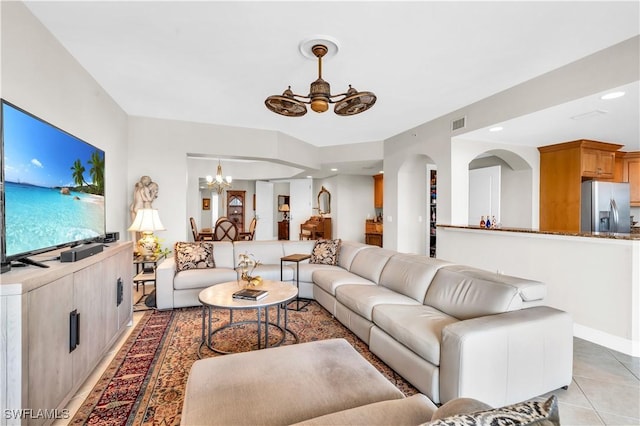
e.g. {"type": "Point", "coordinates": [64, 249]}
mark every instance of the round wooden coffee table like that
{"type": "Point", "coordinates": [221, 296]}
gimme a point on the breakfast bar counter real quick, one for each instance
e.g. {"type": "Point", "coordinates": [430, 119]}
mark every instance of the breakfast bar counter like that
{"type": "Point", "coordinates": [634, 235]}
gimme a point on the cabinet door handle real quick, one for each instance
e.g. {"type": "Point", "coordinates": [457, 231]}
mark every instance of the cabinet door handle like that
{"type": "Point", "coordinates": [119, 291]}
{"type": "Point", "coordinates": [74, 330]}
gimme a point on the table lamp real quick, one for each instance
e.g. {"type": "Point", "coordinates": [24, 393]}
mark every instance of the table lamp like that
{"type": "Point", "coordinates": [147, 221]}
{"type": "Point", "coordinates": [284, 208]}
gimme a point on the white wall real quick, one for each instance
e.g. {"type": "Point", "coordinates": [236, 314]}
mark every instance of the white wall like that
{"type": "Point", "coordinates": [354, 201]}
{"type": "Point", "coordinates": [159, 148]}
{"type": "Point", "coordinates": [40, 76]}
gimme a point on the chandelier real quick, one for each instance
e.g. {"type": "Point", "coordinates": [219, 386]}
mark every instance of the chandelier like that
{"type": "Point", "coordinates": [351, 102]}
{"type": "Point", "coordinates": [220, 183]}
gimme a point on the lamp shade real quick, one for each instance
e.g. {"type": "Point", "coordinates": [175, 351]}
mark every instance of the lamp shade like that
{"type": "Point", "coordinates": [284, 208]}
{"type": "Point", "coordinates": [147, 220]}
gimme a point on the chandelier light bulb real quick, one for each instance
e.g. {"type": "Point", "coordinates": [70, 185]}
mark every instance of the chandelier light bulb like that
{"type": "Point", "coordinates": [220, 183]}
{"type": "Point", "coordinates": [319, 105]}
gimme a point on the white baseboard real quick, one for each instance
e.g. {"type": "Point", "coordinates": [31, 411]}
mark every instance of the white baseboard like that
{"type": "Point", "coordinates": [607, 340]}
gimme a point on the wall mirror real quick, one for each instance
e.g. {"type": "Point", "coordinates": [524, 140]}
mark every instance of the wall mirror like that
{"type": "Point", "coordinates": [282, 199]}
{"type": "Point", "coordinates": [324, 201]}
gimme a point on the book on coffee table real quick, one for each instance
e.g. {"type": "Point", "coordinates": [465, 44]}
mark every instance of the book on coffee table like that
{"type": "Point", "coordinates": [250, 294]}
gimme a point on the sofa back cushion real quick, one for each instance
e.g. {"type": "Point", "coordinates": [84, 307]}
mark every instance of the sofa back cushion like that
{"type": "Point", "coordinates": [223, 254]}
{"type": "Point", "coordinates": [298, 247]}
{"type": "Point", "coordinates": [267, 252]}
{"type": "Point", "coordinates": [410, 274]}
{"type": "Point", "coordinates": [348, 251]}
{"type": "Point", "coordinates": [465, 296]}
{"type": "Point", "coordinates": [529, 290]}
{"type": "Point", "coordinates": [369, 262]}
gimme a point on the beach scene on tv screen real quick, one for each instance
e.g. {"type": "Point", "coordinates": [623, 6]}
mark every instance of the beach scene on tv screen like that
{"type": "Point", "coordinates": [54, 185]}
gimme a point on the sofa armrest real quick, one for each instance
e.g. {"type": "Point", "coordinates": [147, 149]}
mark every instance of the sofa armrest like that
{"type": "Point", "coordinates": [506, 358]}
{"type": "Point", "coordinates": [165, 272]}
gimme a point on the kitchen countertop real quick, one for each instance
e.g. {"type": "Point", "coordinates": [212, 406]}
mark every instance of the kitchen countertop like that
{"type": "Point", "coordinates": [609, 235]}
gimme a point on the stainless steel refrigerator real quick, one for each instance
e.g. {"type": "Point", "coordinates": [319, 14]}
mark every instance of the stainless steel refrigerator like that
{"type": "Point", "coordinates": [605, 207]}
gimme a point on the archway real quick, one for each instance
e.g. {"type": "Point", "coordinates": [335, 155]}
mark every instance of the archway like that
{"type": "Point", "coordinates": [516, 191]}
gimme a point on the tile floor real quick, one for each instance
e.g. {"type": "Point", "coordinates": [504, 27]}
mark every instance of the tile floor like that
{"type": "Point", "coordinates": [605, 389]}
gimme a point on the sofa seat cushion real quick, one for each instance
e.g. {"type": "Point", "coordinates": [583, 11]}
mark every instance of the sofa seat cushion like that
{"type": "Point", "coordinates": [418, 327]}
{"type": "Point", "coordinates": [330, 279]}
{"type": "Point", "coordinates": [361, 299]}
{"type": "Point", "coordinates": [414, 410]}
{"type": "Point", "coordinates": [202, 278]}
{"type": "Point", "coordinates": [307, 270]}
{"type": "Point", "coordinates": [283, 385]}
{"type": "Point", "coordinates": [272, 272]}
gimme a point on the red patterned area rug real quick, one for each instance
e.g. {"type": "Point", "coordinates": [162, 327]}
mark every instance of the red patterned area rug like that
{"type": "Point", "coordinates": [144, 385]}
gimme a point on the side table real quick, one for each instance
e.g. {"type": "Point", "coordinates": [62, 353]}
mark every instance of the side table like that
{"type": "Point", "coordinates": [297, 258]}
{"type": "Point", "coordinates": [145, 273]}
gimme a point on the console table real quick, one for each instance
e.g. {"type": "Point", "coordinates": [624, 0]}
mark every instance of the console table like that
{"type": "Point", "coordinates": [57, 324]}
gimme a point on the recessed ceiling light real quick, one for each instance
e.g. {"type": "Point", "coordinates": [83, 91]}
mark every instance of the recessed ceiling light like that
{"type": "Point", "coordinates": [612, 95]}
{"type": "Point", "coordinates": [334, 170]}
{"type": "Point", "coordinates": [496, 129]}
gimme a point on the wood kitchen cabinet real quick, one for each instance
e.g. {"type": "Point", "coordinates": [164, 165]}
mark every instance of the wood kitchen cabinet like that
{"type": "Point", "coordinates": [563, 167]}
{"type": "Point", "coordinates": [378, 191]}
{"type": "Point", "coordinates": [631, 174]}
{"type": "Point", "coordinates": [598, 163]}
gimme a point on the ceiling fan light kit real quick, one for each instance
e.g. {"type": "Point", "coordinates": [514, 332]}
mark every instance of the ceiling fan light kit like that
{"type": "Point", "coordinates": [351, 102]}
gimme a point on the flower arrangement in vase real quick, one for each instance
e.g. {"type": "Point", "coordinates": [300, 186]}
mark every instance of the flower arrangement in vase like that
{"type": "Point", "coordinates": [246, 265]}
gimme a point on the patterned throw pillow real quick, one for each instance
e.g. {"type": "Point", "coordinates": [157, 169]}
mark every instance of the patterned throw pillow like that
{"type": "Point", "coordinates": [198, 255]}
{"type": "Point", "coordinates": [325, 252]}
{"type": "Point", "coordinates": [539, 413]}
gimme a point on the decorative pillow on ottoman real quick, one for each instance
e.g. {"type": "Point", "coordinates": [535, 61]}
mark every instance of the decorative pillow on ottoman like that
{"type": "Point", "coordinates": [539, 413]}
{"type": "Point", "coordinates": [325, 252]}
{"type": "Point", "coordinates": [198, 255]}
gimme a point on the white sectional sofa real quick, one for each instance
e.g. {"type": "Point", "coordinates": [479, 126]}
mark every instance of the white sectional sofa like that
{"type": "Point", "coordinates": [450, 330]}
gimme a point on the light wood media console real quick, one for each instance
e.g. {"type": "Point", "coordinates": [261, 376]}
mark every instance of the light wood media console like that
{"type": "Point", "coordinates": [57, 324]}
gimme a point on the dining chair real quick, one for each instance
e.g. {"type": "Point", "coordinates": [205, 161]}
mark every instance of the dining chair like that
{"type": "Point", "coordinates": [225, 230]}
{"type": "Point", "coordinates": [194, 229]}
{"type": "Point", "coordinates": [199, 236]}
{"type": "Point", "coordinates": [252, 231]}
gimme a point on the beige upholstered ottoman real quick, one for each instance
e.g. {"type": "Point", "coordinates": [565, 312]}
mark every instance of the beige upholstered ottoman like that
{"type": "Point", "coordinates": [286, 385]}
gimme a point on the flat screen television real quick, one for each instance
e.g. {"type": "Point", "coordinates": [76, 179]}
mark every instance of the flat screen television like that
{"type": "Point", "coordinates": [52, 192]}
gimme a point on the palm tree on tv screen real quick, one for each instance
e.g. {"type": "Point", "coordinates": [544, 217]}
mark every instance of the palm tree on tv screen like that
{"type": "Point", "coordinates": [78, 172]}
{"type": "Point", "coordinates": [97, 171]}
